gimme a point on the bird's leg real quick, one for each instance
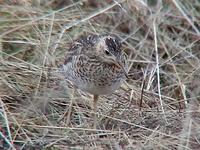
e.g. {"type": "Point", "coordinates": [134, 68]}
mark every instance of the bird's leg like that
{"type": "Point", "coordinates": [95, 110]}
{"type": "Point", "coordinates": [70, 107]}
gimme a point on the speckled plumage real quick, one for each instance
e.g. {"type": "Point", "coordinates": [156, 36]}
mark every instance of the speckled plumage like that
{"type": "Point", "coordinates": [85, 68]}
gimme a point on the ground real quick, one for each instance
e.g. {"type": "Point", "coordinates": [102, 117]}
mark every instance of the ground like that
{"type": "Point", "coordinates": [156, 108]}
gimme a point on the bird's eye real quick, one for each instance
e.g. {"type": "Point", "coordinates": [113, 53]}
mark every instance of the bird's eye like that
{"type": "Point", "coordinates": [107, 53]}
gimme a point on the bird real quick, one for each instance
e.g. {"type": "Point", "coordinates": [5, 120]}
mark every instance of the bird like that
{"type": "Point", "coordinates": [96, 64]}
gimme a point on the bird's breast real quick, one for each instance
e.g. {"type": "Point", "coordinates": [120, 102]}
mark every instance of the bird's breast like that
{"type": "Point", "coordinates": [95, 78]}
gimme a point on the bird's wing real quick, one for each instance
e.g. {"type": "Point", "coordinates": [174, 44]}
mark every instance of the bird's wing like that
{"type": "Point", "coordinates": [82, 45]}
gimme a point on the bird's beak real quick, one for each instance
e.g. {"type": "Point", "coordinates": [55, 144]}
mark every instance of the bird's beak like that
{"type": "Point", "coordinates": [122, 67]}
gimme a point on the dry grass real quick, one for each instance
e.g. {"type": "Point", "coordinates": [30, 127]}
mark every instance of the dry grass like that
{"type": "Point", "coordinates": [162, 39]}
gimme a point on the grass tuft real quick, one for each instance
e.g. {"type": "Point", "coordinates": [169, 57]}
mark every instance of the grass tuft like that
{"type": "Point", "coordinates": [162, 40]}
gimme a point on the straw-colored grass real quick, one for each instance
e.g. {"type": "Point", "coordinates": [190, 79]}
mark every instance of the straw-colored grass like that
{"type": "Point", "coordinates": [162, 40]}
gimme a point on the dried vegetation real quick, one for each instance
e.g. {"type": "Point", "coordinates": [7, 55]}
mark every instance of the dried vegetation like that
{"type": "Point", "coordinates": [162, 40]}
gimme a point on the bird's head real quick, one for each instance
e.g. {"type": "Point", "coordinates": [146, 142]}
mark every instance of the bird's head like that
{"type": "Point", "coordinates": [109, 50]}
